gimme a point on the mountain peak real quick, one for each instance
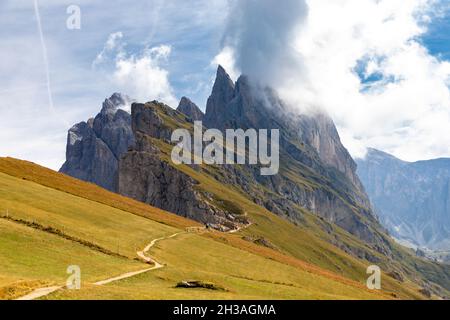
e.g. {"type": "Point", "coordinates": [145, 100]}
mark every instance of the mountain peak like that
{"type": "Point", "coordinates": [94, 147]}
{"type": "Point", "coordinates": [223, 80]}
{"type": "Point", "coordinates": [116, 101]}
{"type": "Point", "coordinates": [190, 109]}
{"type": "Point", "coordinates": [222, 93]}
{"type": "Point", "coordinates": [378, 155]}
{"type": "Point", "coordinates": [221, 71]}
{"type": "Point", "coordinates": [411, 197]}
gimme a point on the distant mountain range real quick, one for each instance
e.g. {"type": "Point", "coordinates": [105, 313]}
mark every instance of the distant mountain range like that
{"type": "Point", "coordinates": [412, 199]}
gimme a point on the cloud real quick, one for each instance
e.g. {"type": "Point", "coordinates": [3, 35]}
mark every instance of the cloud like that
{"type": "Point", "coordinates": [226, 59]}
{"type": "Point", "coordinates": [110, 46]}
{"type": "Point", "coordinates": [140, 75]}
{"type": "Point", "coordinates": [399, 101]}
{"type": "Point", "coordinates": [360, 60]}
{"type": "Point", "coordinates": [30, 130]}
{"type": "Point", "coordinates": [334, 46]}
{"type": "Point", "coordinates": [259, 33]}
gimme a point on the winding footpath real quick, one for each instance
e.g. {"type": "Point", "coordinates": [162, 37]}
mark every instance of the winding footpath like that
{"type": "Point", "coordinates": [42, 292]}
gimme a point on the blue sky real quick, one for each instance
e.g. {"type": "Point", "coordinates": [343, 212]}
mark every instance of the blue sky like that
{"type": "Point", "coordinates": [437, 37]}
{"type": "Point", "coordinates": [35, 132]}
{"type": "Point", "coordinates": [173, 47]}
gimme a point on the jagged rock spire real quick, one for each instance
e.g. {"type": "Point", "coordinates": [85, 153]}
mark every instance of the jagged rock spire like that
{"type": "Point", "coordinates": [222, 93]}
{"type": "Point", "coordinates": [94, 147]}
{"type": "Point", "coordinates": [190, 109]}
{"type": "Point", "coordinates": [116, 101]}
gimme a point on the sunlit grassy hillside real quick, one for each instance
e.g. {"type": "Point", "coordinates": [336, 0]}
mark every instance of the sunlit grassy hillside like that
{"type": "Point", "coordinates": [101, 232]}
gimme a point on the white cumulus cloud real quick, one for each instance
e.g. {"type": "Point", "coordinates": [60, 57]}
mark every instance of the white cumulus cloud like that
{"type": "Point", "coordinates": [226, 59]}
{"type": "Point", "coordinates": [141, 75]}
{"type": "Point", "coordinates": [403, 107]}
{"type": "Point", "coordinates": [112, 44]}
{"type": "Point", "coordinates": [361, 61]}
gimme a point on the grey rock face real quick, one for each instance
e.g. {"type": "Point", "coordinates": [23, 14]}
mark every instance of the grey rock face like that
{"type": "Point", "coordinates": [112, 124]}
{"type": "Point", "coordinates": [316, 173]}
{"type": "Point", "coordinates": [190, 109]}
{"type": "Point", "coordinates": [322, 175]}
{"type": "Point", "coordinates": [150, 123]}
{"type": "Point", "coordinates": [94, 147]}
{"type": "Point", "coordinates": [222, 93]}
{"type": "Point", "coordinates": [144, 176]}
{"type": "Point", "coordinates": [320, 132]}
{"type": "Point", "coordinates": [412, 199]}
{"type": "Point", "coordinates": [245, 106]}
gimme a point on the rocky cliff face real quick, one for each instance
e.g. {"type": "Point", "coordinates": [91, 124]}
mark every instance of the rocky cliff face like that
{"type": "Point", "coordinates": [222, 93]}
{"type": "Point", "coordinates": [412, 199]}
{"type": "Point", "coordinates": [316, 171]}
{"type": "Point", "coordinates": [190, 109]}
{"type": "Point", "coordinates": [145, 176]}
{"type": "Point", "coordinates": [316, 188]}
{"type": "Point", "coordinates": [242, 105]}
{"type": "Point", "coordinates": [94, 147]}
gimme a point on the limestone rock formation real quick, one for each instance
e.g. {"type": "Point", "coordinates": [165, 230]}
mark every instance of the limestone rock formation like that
{"type": "Point", "coordinates": [94, 147]}
{"type": "Point", "coordinates": [144, 176]}
{"type": "Point", "coordinates": [190, 109]}
{"type": "Point", "coordinates": [317, 172]}
{"type": "Point", "coordinates": [411, 198]}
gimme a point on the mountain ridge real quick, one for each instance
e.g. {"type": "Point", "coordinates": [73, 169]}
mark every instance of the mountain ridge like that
{"type": "Point", "coordinates": [317, 187]}
{"type": "Point", "coordinates": [190, 109]}
{"type": "Point", "coordinates": [95, 146]}
{"type": "Point", "coordinates": [412, 198]}
{"type": "Point", "coordinates": [309, 143]}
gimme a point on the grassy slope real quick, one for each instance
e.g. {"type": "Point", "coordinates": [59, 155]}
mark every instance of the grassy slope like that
{"type": "Point", "coordinates": [311, 242]}
{"type": "Point", "coordinates": [31, 258]}
{"type": "Point", "coordinates": [98, 223]}
{"type": "Point", "coordinates": [243, 275]}
{"type": "Point", "coordinates": [308, 242]}
{"type": "Point", "coordinates": [244, 269]}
